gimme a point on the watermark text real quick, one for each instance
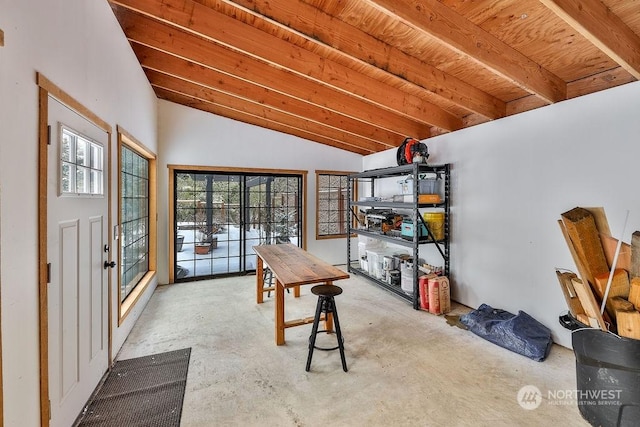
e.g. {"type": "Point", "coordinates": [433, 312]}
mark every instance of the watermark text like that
{"type": "Point", "coordinates": [530, 397]}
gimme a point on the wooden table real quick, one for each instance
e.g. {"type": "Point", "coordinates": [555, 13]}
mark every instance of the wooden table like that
{"type": "Point", "coordinates": [291, 267]}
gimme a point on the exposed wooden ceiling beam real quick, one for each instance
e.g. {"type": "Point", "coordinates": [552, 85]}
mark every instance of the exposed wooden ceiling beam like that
{"type": "Point", "coordinates": [267, 122]}
{"type": "Point", "coordinates": [605, 30]}
{"type": "Point", "coordinates": [335, 37]}
{"type": "Point", "coordinates": [600, 81]}
{"type": "Point", "coordinates": [220, 28]}
{"type": "Point", "coordinates": [160, 61]}
{"type": "Point", "coordinates": [195, 90]}
{"type": "Point", "coordinates": [151, 33]}
{"type": "Point", "coordinates": [461, 35]}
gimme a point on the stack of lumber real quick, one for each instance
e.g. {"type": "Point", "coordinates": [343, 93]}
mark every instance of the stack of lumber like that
{"type": "Point", "coordinates": [593, 249]}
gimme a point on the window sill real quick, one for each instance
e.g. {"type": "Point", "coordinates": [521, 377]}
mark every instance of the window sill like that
{"type": "Point", "coordinates": [130, 301]}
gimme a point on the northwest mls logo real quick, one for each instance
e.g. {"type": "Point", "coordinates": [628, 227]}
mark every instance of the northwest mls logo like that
{"type": "Point", "coordinates": [529, 397]}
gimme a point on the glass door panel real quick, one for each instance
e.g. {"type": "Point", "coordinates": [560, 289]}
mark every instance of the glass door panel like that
{"type": "Point", "coordinates": [273, 207]}
{"type": "Point", "coordinates": [219, 217]}
{"type": "Point", "coordinates": [207, 224]}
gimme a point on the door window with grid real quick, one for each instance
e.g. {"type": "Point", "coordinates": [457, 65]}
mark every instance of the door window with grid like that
{"type": "Point", "coordinates": [81, 170]}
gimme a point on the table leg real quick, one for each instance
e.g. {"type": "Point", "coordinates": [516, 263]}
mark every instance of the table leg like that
{"type": "Point", "coordinates": [296, 291]}
{"type": "Point", "coordinates": [279, 313]}
{"type": "Point", "coordinates": [259, 281]}
{"type": "Point", "coordinates": [328, 322]}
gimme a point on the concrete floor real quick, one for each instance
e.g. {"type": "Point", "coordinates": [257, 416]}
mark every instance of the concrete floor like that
{"type": "Point", "coordinates": [406, 367]}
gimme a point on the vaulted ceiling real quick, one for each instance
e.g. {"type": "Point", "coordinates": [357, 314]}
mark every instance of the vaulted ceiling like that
{"type": "Point", "coordinates": [362, 75]}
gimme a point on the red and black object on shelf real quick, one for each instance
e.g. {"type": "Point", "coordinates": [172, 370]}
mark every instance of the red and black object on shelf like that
{"type": "Point", "coordinates": [408, 150]}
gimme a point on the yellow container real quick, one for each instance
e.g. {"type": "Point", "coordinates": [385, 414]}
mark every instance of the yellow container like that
{"type": "Point", "coordinates": [435, 223]}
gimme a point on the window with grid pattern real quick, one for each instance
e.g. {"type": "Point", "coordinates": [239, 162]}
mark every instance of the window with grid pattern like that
{"type": "Point", "coordinates": [81, 170]}
{"type": "Point", "coordinates": [331, 204]}
{"type": "Point", "coordinates": [134, 226]}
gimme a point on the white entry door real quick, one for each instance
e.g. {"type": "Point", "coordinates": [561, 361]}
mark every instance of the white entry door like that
{"type": "Point", "coordinates": [77, 222]}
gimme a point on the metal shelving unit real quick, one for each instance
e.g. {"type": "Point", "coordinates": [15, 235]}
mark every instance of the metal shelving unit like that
{"type": "Point", "coordinates": [415, 170]}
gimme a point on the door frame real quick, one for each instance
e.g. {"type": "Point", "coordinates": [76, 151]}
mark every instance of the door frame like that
{"type": "Point", "coordinates": [48, 89]}
{"type": "Point", "coordinates": [214, 169]}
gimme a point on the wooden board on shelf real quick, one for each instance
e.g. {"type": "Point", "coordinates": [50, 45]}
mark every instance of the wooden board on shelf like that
{"type": "Point", "coordinates": [581, 268]}
{"type": "Point", "coordinates": [617, 304]}
{"type": "Point", "coordinates": [609, 245]}
{"type": "Point", "coordinates": [581, 227]}
{"type": "Point", "coordinates": [570, 296]}
{"type": "Point", "coordinates": [634, 292]}
{"type": "Point", "coordinates": [602, 223]}
{"type": "Point", "coordinates": [589, 304]}
{"type": "Point", "coordinates": [576, 259]}
{"type": "Point", "coordinates": [629, 324]}
{"type": "Point", "coordinates": [634, 268]}
{"type": "Point", "coordinates": [619, 284]}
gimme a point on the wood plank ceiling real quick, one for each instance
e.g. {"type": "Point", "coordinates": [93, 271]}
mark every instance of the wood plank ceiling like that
{"type": "Point", "coordinates": [362, 75]}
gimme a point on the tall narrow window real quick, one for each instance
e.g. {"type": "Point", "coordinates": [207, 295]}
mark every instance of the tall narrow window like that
{"type": "Point", "coordinates": [137, 220]}
{"type": "Point", "coordinates": [331, 204]}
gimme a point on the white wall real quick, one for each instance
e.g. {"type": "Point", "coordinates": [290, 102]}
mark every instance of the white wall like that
{"type": "Point", "coordinates": [511, 180]}
{"type": "Point", "coordinates": [192, 137]}
{"type": "Point", "coordinates": [80, 47]}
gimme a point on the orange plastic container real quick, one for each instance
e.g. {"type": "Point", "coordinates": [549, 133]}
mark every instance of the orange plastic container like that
{"type": "Point", "coordinates": [423, 283]}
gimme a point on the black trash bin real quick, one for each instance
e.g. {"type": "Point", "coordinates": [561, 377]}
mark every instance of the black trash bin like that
{"type": "Point", "coordinates": [607, 376]}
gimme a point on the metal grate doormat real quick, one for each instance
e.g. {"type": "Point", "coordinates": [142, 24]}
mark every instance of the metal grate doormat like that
{"type": "Point", "coordinates": [145, 391]}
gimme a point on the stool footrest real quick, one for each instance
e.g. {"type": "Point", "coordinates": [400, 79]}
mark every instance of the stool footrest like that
{"type": "Point", "coordinates": [326, 348]}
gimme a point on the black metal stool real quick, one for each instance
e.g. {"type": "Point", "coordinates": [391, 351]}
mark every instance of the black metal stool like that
{"type": "Point", "coordinates": [267, 280]}
{"type": "Point", "coordinates": [327, 305]}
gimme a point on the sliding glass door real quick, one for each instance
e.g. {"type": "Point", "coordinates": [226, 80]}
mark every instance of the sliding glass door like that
{"type": "Point", "coordinates": [273, 209]}
{"type": "Point", "coordinates": [219, 217]}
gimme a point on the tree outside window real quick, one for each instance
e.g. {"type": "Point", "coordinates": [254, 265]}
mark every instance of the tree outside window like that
{"type": "Point", "coordinates": [331, 204]}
